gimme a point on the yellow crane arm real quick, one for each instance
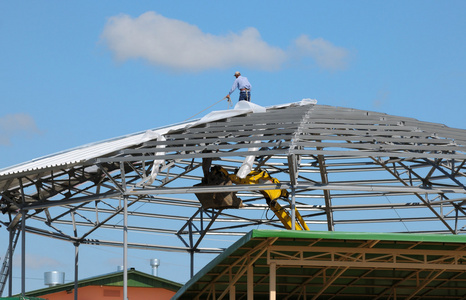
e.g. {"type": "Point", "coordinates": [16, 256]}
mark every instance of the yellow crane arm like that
{"type": "Point", "coordinates": [285, 217]}
{"type": "Point", "coordinates": [260, 177]}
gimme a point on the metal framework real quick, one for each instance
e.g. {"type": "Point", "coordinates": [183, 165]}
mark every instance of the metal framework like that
{"type": "Point", "coordinates": [310, 265]}
{"type": "Point", "coordinates": [345, 169]}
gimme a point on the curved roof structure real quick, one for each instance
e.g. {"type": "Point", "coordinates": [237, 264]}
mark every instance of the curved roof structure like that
{"type": "Point", "coordinates": [344, 169]}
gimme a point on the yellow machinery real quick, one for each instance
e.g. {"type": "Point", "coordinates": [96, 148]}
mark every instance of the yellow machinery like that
{"type": "Point", "coordinates": [219, 200]}
{"type": "Point", "coordinates": [271, 196]}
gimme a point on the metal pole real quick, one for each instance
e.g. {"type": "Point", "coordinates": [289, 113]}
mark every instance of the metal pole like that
{"type": "Point", "coordinates": [23, 252]}
{"type": "Point", "coordinates": [192, 263]}
{"type": "Point", "coordinates": [293, 209]}
{"type": "Point", "coordinates": [292, 167]}
{"type": "Point", "coordinates": [125, 232]}
{"type": "Point", "coordinates": [192, 249]}
{"type": "Point", "coordinates": [76, 261]}
{"type": "Point", "coordinates": [23, 240]}
{"type": "Point", "coordinates": [10, 263]}
{"type": "Point", "coordinates": [125, 249]}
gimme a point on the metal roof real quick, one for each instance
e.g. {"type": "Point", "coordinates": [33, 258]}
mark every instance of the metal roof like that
{"type": "Point", "coordinates": [345, 170]}
{"type": "Point", "coordinates": [86, 153]}
{"type": "Point", "coordinates": [328, 155]}
{"type": "Point", "coordinates": [82, 154]}
{"type": "Point", "coordinates": [334, 265]}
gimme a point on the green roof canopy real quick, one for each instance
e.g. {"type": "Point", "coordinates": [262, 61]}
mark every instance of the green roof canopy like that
{"type": "Point", "coordinates": [337, 265]}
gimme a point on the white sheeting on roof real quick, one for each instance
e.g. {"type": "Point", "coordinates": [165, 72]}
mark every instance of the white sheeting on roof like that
{"type": "Point", "coordinates": [241, 107]}
{"type": "Point", "coordinates": [98, 149]}
{"type": "Point", "coordinates": [86, 152]}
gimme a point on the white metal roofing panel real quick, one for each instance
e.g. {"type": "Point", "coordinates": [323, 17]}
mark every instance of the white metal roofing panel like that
{"type": "Point", "coordinates": [86, 152]}
{"type": "Point", "coordinates": [98, 149]}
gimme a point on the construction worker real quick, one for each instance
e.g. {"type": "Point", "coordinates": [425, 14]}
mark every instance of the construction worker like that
{"type": "Point", "coordinates": [242, 84]}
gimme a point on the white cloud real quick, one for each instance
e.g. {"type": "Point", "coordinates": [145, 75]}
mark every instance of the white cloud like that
{"type": "Point", "coordinates": [178, 45]}
{"type": "Point", "coordinates": [16, 124]}
{"type": "Point", "coordinates": [325, 54]}
{"type": "Point", "coordinates": [38, 262]}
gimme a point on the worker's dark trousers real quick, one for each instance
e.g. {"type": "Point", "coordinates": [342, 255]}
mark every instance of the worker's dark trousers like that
{"type": "Point", "coordinates": [246, 96]}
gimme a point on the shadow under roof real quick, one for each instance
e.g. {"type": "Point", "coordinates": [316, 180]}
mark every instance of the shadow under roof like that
{"type": "Point", "coordinates": [335, 265]}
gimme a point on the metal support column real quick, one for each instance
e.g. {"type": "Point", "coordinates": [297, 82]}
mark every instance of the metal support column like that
{"type": "Point", "coordinates": [23, 240]}
{"type": "Point", "coordinates": [23, 253]}
{"type": "Point", "coordinates": [76, 263]}
{"type": "Point", "coordinates": [125, 232]}
{"type": "Point", "coordinates": [191, 253]}
{"type": "Point", "coordinates": [10, 265]}
{"type": "Point", "coordinates": [327, 196]}
{"type": "Point", "coordinates": [293, 209]}
{"type": "Point", "coordinates": [125, 248]}
{"type": "Point", "coordinates": [292, 169]}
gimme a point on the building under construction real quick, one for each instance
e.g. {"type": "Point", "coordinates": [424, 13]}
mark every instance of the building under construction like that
{"type": "Point", "coordinates": [319, 202]}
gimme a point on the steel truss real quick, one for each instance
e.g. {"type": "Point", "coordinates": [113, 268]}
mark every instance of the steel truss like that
{"type": "Point", "coordinates": [324, 267]}
{"type": "Point", "coordinates": [345, 168]}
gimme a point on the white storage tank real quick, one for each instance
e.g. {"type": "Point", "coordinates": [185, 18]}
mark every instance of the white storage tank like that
{"type": "Point", "coordinates": [54, 278]}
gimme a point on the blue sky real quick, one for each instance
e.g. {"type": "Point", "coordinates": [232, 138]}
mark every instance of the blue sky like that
{"type": "Point", "coordinates": [72, 73]}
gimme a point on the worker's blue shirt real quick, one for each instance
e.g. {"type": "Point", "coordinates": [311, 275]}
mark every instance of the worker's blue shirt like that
{"type": "Point", "coordinates": [240, 83]}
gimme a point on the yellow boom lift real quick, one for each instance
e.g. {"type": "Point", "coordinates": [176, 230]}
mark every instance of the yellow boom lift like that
{"type": "Point", "coordinates": [219, 176]}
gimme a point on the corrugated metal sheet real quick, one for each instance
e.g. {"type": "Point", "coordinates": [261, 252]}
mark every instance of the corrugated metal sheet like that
{"type": "Point", "coordinates": [86, 152]}
{"type": "Point", "coordinates": [99, 149]}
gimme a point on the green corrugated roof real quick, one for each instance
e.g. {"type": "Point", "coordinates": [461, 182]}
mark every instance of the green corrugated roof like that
{"type": "Point", "coordinates": [411, 237]}
{"type": "Point", "coordinates": [135, 279]}
{"type": "Point", "coordinates": [325, 239]}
